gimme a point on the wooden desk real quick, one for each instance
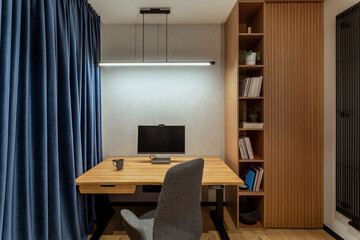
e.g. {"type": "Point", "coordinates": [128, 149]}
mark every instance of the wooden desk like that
{"type": "Point", "coordinates": [105, 179]}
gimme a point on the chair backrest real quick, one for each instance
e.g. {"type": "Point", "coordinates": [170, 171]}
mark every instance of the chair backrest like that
{"type": "Point", "coordinates": [178, 214]}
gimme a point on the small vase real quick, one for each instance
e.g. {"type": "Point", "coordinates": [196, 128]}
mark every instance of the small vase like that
{"type": "Point", "coordinates": [251, 59]}
{"type": "Point", "coordinates": [253, 118]}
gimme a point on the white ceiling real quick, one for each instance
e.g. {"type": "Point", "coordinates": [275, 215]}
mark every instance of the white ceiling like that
{"type": "Point", "coordinates": [182, 11]}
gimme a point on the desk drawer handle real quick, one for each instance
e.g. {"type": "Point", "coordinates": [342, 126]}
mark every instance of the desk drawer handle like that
{"type": "Point", "coordinates": [107, 185]}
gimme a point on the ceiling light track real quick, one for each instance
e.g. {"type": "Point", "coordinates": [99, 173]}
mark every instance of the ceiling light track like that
{"type": "Point", "coordinates": [154, 10]}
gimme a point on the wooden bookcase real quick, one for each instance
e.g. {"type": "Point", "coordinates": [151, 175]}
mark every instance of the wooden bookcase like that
{"type": "Point", "coordinates": [245, 14]}
{"type": "Point", "coordinates": [290, 146]}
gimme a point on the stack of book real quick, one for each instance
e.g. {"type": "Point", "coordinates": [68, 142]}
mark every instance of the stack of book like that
{"type": "Point", "coordinates": [254, 177]}
{"type": "Point", "coordinates": [252, 125]}
{"type": "Point", "coordinates": [245, 148]}
{"type": "Point", "coordinates": [250, 87]}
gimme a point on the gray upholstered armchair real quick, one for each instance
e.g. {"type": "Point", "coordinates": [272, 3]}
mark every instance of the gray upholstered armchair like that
{"type": "Point", "coordinates": [178, 214]}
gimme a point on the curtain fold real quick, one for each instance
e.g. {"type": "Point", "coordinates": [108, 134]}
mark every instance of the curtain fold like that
{"type": "Point", "coordinates": [50, 117]}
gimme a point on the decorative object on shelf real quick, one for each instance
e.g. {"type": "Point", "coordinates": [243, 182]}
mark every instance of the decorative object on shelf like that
{"type": "Point", "coordinates": [249, 30]}
{"type": "Point", "coordinates": [252, 125]}
{"type": "Point", "coordinates": [248, 214]}
{"type": "Point", "coordinates": [243, 187]}
{"type": "Point", "coordinates": [250, 57]}
{"type": "Point", "coordinates": [253, 111]}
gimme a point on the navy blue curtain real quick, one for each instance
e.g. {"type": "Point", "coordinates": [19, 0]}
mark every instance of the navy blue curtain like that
{"type": "Point", "coordinates": [50, 117]}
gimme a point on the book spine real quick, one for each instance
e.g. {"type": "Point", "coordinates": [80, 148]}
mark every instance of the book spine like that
{"type": "Point", "coordinates": [241, 150]}
{"type": "Point", "coordinates": [256, 179]}
{"type": "Point", "coordinates": [249, 147]}
{"type": "Point", "coordinates": [260, 178]}
{"type": "Point", "coordinates": [251, 187]}
{"type": "Point", "coordinates": [260, 85]}
{"type": "Point", "coordinates": [251, 87]}
{"type": "Point", "coordinates": [244, 148]}
{"type": "Point", "coordinates": [256, 87]}
{"type": "Point", "coordinates": [247, 87]}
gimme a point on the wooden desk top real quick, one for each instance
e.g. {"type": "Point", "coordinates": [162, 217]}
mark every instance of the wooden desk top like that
{"type": "Point", "coordinates": [140, 171]}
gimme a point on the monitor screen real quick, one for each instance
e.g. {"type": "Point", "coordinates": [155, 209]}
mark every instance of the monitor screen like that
{"type": "Point", "coordinates": [161, 139]}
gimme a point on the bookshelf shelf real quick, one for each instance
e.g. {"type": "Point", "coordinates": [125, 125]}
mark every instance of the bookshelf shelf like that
{"type": "Point", "coordinates": [249, 70]}
{"type": "Point", "coordinates": [255, 36]}
{"type": "Point", "coordinates": [257, 225]}
{"type": "Point", "coordinates": [251, 66]}
{"type": "Point", "coordinates": [255, 160]}
{"type": "Point", "coordinates": [250, 193]}
{"type": "Point", "coordinates": [251, 98]}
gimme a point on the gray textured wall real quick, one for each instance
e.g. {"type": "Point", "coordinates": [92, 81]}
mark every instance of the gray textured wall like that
{"type": "Point", "coordinates": [190, 96]}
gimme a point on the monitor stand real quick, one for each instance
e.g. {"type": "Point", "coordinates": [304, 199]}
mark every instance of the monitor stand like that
{"type": "Point", "coordinates": [157, 160]}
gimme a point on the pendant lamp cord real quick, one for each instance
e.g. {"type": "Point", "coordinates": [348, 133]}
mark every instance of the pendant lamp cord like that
{"type": "Point", "coordinates": [143, 47]}
{"type": "Point", "coordinates": [166, 38]}
{"type": "Point", "coordinates": [166, 41]}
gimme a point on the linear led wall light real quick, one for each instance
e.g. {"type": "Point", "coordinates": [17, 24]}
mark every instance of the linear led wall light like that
{"type": "Point", "coordinates": [149, 64]}
{"type": "Point", "coordinates": [165, 11]}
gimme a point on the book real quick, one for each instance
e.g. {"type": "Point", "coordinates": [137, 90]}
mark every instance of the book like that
{"type": "Point", "coordinates": [260, 179]}
{"type": "Point", "coordinates": [257, 83]}
{"type": "Point", "coordinates": [249, 179]}
{"type": "Point", "coordinates": [243, 145]}
{"type": "Point", "coordinates": [242, 155]}
{"type": "Point", "coordinates": [259, 87]}
{"type": "Point", "coordinates": [242, 149]}
{"type": "Point", "coordinates": [250, 87]}
{"type": "Point", "coordinates": [254, 87]}
{"type": "Point", "coordinates": [252, 91]}
{"type": "Point", "coordinates": [256, 181]}
{"type": "Point", "coordinates": [252, 125]}
{"type": "Point", "coordinates": [256, 177]}
{"type": "Point", "coordinates": [248, 147]}
{"type": "Point", "coordinates": [244, 87]}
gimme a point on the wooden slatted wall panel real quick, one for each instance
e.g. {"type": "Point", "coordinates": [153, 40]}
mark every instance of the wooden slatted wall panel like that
{"type": "Point", "coordinates": [294, 115]}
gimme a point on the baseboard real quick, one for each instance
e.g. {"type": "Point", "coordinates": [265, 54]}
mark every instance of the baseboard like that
{"type": "Point", "coordinates": [332, 233]}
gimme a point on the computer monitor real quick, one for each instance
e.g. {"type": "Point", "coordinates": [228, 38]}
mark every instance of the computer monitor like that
{"type": "Point", "coordinates": [161, 139]}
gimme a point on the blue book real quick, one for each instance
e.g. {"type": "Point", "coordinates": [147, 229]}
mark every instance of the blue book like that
{"type": "Point", "coordinates": [249, 179]}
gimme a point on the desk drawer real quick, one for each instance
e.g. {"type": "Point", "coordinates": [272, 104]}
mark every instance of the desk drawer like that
{"type": "Point", "coordinates": [107, 189]}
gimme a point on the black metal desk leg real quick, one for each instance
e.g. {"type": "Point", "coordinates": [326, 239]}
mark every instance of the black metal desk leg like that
{"type": "Point", "coordinates": [104, 213]}
{"type": "Point", "coordinates": [218, 215]}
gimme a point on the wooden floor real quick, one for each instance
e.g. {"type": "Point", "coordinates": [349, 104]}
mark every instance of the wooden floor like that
{"type": "Point", "coordinates": [115, 229]}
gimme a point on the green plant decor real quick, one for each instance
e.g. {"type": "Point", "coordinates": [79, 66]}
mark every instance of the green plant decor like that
{"type": "Point", "coordinates": [246, 54]}
{"type": "Point", "coordinates": [254, 110]}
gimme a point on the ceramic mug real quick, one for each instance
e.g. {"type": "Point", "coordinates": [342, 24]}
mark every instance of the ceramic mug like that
{"type": "Point", "coordinates": [118, 163]}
